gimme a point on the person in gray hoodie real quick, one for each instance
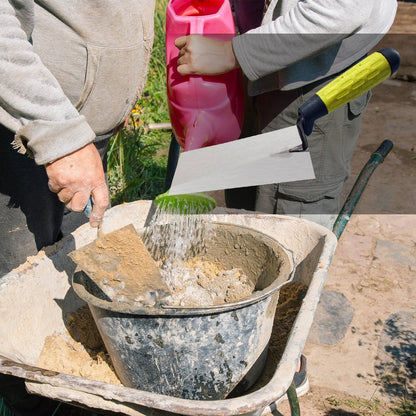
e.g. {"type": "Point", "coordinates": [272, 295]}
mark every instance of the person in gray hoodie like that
{"type": "Point", "coordinates": [299, 47]}
{"type": "Point", "coordinates": [70, 73]}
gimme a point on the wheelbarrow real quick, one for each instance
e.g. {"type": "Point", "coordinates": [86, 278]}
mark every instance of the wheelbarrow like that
{"type": "Point", "coordinates": [41, 291]}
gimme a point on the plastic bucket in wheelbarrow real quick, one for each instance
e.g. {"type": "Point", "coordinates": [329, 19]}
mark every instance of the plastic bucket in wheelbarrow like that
{"type": "Point", "coordinates": [197, 353]}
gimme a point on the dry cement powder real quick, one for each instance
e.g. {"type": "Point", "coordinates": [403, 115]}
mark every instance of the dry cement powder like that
{"type": "Point", "coordinates": [80, 351]}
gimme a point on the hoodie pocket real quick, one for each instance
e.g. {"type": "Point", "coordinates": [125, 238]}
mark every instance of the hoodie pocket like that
{"type": "Point", "coordinates": [114, 79]}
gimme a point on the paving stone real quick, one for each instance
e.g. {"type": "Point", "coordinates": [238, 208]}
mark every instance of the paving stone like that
{"type": "Point", "coordinates": [398, 227]}
{"type": "Point", "coordinates": [388, 251]}
{"type": "Point", "coordinates": [332, 319]}
{"type": "Point", "coordinates": [395, 364]}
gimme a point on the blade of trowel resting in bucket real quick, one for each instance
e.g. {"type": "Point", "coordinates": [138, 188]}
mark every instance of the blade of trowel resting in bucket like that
{"type": "Point", "coordinates": [121, 266]}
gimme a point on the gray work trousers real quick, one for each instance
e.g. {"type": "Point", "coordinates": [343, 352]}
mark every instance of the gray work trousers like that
{"type": "Point", "coordinates": [331, 146]}
{"type": "Point", "coordinates": [31, 216]}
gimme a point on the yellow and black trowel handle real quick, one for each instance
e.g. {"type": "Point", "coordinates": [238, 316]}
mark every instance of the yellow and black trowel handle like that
{"type": "Point", "coordinates": [352, 83]}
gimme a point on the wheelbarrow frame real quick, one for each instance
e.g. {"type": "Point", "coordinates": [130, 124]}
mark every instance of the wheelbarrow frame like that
{"type": "Point", "coordinates": [50, 273]}
{"type": "Point", "coordinates": [38, 378]}
{"type": "Point", "coordinates": [341, 222]}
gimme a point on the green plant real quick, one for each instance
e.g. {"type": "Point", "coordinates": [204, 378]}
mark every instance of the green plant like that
{"type": "Point", "coordinates": [154, 102]}
{"type": "Point", "coordinates": [359, 405]}
{"type": "Point", "coordinates": [405, 409]}
{"type": "Point", "coordinates": [137, 170]}
{"type": "Point", "coordinates": [137, 155]}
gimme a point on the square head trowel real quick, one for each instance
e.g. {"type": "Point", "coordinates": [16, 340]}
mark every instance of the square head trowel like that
{"type": "Point", "coordinates": [119, 264]}
{"type": "Point", "coordinates": [282, 155]}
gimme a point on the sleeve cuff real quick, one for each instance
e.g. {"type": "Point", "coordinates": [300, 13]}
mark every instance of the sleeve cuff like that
{"type": "Point", "coordinates": [242, 56]}
{"type": "Point", "coordinates": [47, 141]}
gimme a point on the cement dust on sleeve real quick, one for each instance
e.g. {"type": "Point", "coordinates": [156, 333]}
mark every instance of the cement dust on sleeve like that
{"type": "Point", "coordinates": [80, 351]}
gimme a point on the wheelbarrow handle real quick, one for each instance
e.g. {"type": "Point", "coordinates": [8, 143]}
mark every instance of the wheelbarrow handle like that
{"type": "Point", "coordinates": [384, 149]}
{"type": "Point", "coordinates": [352, 83]}
{"type": "Point", "coordinates": [355, 194]}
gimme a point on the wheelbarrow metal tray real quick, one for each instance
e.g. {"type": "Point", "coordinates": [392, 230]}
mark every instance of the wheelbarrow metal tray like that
{"type": "Point", "coordinates": [35, 298]}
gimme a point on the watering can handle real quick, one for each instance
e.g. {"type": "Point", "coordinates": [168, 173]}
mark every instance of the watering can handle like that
{"type": "Point", "coordinates": [352, 83]}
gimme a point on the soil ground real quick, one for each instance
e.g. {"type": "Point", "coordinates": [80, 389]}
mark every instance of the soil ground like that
{"type": "Point", "coordinates": [361, 349]}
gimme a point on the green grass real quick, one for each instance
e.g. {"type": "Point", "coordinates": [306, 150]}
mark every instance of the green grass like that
{"type": "Point", "coordinates": [374, 407]}
{"type": "Point", "coordinates": [406, 408]}
{"type": "Point", "coordinates": [137, 156]}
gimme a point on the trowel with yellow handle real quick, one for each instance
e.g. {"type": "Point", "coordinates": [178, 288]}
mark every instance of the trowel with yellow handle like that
{"type": "Point", "coordinates": [278, 156]}
{"type": "Point", "coordinates": [120, 265]}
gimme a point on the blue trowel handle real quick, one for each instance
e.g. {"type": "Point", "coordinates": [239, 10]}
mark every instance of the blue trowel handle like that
{"type": "Point", "coordinates": [88, 207]}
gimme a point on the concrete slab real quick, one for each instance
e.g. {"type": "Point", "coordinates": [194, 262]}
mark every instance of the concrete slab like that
{"type": "Point", "coordinates": [332, 319]}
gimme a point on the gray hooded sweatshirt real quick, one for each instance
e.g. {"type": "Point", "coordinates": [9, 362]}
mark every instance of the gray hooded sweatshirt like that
{"type": "Point", "coordinates": [70, 70]}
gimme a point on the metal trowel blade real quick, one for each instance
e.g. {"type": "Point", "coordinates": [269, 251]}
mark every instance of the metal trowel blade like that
{"type": "Point", "coordinates": [256, 160]}
{"type": "Point", "coordinates": [121, 266]}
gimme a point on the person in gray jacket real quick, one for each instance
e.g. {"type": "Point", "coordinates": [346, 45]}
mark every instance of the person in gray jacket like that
{"type": "Point", "coordinates": [70, 73]}
{"type": "Point", "coordinates": [299, 46]}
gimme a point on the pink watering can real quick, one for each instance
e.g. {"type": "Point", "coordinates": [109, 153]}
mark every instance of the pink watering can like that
{"type": "Point", "coordinates": [204, 110]}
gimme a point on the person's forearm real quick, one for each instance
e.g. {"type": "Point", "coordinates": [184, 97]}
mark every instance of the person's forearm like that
{"type": "Point", "coordinates": [302, 32]}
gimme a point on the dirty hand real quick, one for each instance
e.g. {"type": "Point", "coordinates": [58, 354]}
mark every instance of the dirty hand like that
{"type": "Point", "coordinates": [199, 55]}
{"type": "Point", "coordinates": [75, 177]}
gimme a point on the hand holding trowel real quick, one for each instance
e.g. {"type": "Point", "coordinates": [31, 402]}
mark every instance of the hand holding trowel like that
{"type": "Point", "coordinates": [278, 156]}
{"type": "Point", "coordinates": [119, 264]}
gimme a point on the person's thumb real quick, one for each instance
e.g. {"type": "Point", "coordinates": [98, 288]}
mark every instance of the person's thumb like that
{"type": "Point", "coordinates": [180, 42]}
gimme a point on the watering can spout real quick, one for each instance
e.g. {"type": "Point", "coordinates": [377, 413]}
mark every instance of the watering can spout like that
{"type": "Point", "coordinates": [185, 204]}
